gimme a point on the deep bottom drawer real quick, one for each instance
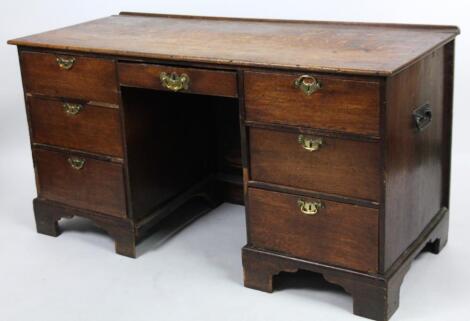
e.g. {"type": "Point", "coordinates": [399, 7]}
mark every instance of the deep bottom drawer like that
{"type": "Point", "coordinates": [338, 234]}
{"type": "Point", "coordinates": [80, 182]}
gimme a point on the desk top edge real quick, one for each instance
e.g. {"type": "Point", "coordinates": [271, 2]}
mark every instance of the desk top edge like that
{"type": "Point", "coordinates": [447, 32]}
{"type": "Point", "coordinates": [448, 28]}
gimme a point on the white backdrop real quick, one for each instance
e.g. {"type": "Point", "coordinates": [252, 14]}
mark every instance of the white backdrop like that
{"type": "Point", "coordinates": [187, 278]}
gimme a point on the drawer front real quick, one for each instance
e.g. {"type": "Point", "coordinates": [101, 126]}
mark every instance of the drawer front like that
{"type": "Point", "coordinates": [323, 164]}
{"type": "Point", "coordinates": [97, 185]}
{"type": "Point", "coordinates": [338, 234]}
{"type": "Point", "coordinates": [341, 105]}
{"type": "Point", "coordinates": [86, 127]}
{"type": "Point", "coordinates": [197, 81]}
{"type": "Point", "coordinates": [86, 78]}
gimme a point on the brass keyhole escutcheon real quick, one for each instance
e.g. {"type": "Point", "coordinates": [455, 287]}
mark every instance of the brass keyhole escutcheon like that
{"type": "Point", "coordinates": [72, 109]}
{"type": "Point", "coordinates": [307, 84]}
{"type": "Point", "coordinates": [65, 63]}
{"type": "Point", "coordinates": [174, 82]}
{"type": "Point", "coordinates": [309, 208]}
{"type": "Point", "coordinates": [76, 163]}
{"type": "Point", "coordinates": [310, 143]}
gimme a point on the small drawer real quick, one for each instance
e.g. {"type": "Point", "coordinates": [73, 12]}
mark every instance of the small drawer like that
{"type": "Point", "coordinates": [72, 76]}
{"type": "Point", "coordinates": [339, 104]}
{"type": "Point", "coordinates": [80, 182]}
{"type": "Point", "coordinates": [322, 231]}
{"type": "Point", "coordinates": [187, 80]}
{"type": "Point", "coordinates": [73, 125]}
{"type": "Point", "coordinates": [322, 164]}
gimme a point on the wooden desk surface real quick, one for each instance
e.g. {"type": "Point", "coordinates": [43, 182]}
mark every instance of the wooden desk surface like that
{"type": "Point", "coordinates": [354, 48]}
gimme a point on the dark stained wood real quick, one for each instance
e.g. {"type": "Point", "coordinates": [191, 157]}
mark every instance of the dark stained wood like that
{"type": "Point", "coordinates": [229, 167]}
{"type": "Point", "coordinates": [48, 214]}
{"type": "Point", "coordinates": [169, 146]}
{"type": "Point", "coordinates": [311, 131]}
{"type": "Point", "coordinates": [202, 81]}
{"type": "Point", "coordinates": [126, 232]}
{"type": "Point", "coordinates": [449, 52]}
{"type": "Point", "coordinates": [413, 160]}
{"type": "Point", "coordinates": [312, 194]}
{"type": "Point", "coordinates": [233, 136]}
{"type": "Point", "coordinates": [89, 79]}
{"type": "Point", "coordinates": [343, 167]}
{"type": "Point", "coordinates": [341, 104]}
{"type": "Point", "coordinates": [244, 142]}
{"type": "Point", "coordinates": [94, 129]}
{"type": "Point", "coordinates": [339, 234]}
{"type": "Point", "coordinates": [375, 296]}
{"type": "Point", "coordinates": [232, 190]}
{"type": "Point", "coordinates": [98, 186]}
{"type": "Point", "coordinates": [373, 49]}
{"type": "Point", "coordinates": [195, 201]}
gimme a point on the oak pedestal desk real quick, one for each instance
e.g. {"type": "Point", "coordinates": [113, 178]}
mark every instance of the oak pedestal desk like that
{"type": "Point", "coordinates": [336, 137]}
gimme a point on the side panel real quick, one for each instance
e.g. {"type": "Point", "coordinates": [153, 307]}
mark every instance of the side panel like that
{"type": "Point", "coordinates": [413, 159]}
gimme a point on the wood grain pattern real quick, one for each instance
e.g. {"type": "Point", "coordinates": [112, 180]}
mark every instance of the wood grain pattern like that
{"type": "Point", "coordinates": [413, 166]}
{"type": "Point", "coordinates": [375, 296]}
{"type": "Point", "coordinates": [343, 167]}
{"type": "Point", "coordinates": [384, 185]}
{"type": "Point", "coordinates": [98, 186]}
{"type": "Point", "coordinates": [122, 230]}
{"type": "Point", "coordinates": [344, 105]}
{"type": "Point", "coordinates": [91, 79]}
{"type": "Point", "coordinates": [340, 234]}
{"type": "Point", "coordinates": [202, 81]}
{"type": "Point", "coordinates": [373, 49]}
{"type": "Point", "coordinates": [94, 129]}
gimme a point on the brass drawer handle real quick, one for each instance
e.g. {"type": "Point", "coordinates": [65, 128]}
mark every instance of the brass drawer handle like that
{"type": "Point", "coordinates": [76, 163]}
{"type": "Point", "coordinates": [309, 208]}
{"type": "Point", "coordinates": [307, 84]}
{"type": "Point", "coordinates": [174, 82]}
{"type": "Point", "coordinates": [72, 109]}
{"type": "Point", "coordinates": [310, 143]}
{"type": "Point", "coordinates": [65, 63]}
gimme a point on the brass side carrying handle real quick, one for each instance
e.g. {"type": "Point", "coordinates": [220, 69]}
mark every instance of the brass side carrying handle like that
{"type": "Point", "coordinates": [422, 117]}
{"type": "Point", "coordinates": [309, 208]}
{"type": "Point", "coordinates": [307, 84]}
{"type": "Point", "coordinates": [174, 82]}
{"type": "Point", "coordinates": [65, 63]}
{"type": "Point", "coordinates": [72, 109]}
{"type": "Point", "coordinates": [76, 163]}
{"type": "Point", "coordinates": [310, 143]}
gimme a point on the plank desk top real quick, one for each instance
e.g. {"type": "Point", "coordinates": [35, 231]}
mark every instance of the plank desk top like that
{"type": "Point", "coordinates": [356, 48]}
{"type": "Point", "coordinates": [336, 136]}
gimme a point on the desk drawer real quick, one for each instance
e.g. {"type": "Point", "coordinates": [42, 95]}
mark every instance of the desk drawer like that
{"type": "Point", "coordinates": [86, 127]}
{"type": "Point", "coordinates": [338, 234]}
{"type": "Point", "coordinates": [89, 184]}
{"type": "Point", "coordinates": [339, 166]}
{"type": "Point", "coordinates": [71, 76]}
{"type": "Point", "coordinates": [341, 105]}
{"type": "Point", "coordinates": [197, 81]}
